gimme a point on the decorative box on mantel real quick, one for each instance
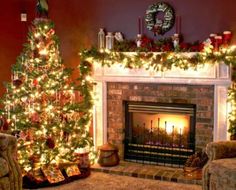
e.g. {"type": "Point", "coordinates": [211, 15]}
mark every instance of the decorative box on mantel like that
{"type": "Point", "coordinates": [124, 84]}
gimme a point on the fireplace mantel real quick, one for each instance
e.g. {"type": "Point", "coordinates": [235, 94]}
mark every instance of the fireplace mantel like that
{"type": "Point", "coordinates": [207, 74]}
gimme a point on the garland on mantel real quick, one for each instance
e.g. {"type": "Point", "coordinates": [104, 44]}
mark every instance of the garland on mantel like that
{"type": "Point", "coordinates": [161, 61]}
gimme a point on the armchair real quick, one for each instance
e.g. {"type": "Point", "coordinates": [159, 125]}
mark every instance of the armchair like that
{"type": "Point", "coordinates": [220, 171]}
{"type": "Point", "coordinates": [10, 174]}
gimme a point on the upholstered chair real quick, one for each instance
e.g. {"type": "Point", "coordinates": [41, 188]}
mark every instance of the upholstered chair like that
{"type": "Point", "coordinates": [220, 171]}
{"type": "Point", "coordinates": [10, 174]}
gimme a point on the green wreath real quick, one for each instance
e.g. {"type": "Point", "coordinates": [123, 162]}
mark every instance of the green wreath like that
{"type": "Point", "coordinates": [156, 25]}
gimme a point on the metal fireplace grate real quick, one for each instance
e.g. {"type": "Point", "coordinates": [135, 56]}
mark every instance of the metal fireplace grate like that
{"type": "Point", "coordinates": [148, 139]}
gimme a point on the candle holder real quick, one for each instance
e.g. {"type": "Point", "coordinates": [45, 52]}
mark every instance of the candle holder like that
{"type": "Point", "coordinates": [175, 39]}
{"type": "Point", "coordinates": [139, 40]}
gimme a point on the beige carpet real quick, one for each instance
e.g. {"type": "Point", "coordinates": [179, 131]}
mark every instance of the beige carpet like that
{"type": "Point", "coordinates": [102, 181]}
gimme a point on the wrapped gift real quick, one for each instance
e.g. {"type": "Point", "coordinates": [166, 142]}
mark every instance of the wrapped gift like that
{"type": "Point", "coordinates": [53, 173]}
{"type": "Point", "coordinates": [72, 170]}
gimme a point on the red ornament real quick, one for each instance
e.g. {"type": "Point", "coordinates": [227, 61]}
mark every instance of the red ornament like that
{"type": "Point", "coordinates": [34, 158]}
{"type": "Point", "coordinates": [35, 82]}
{"type": "Point", "coordinates": [35, 117]}
{"type": "Point", "coordinates": [50, 143]}
{"type": "Point", "coordinates": [50, 32]}
{"type": "Point", "coordinates": [17, 82]}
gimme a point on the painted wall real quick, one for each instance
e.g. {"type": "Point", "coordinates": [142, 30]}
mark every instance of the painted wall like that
{"type": "Point", "coordinates": [77, 23]}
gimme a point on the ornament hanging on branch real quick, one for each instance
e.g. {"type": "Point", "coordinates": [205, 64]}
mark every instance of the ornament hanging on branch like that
{"type": "Point", "coordinates": [50, 142]}
{"type": "Point", "coordinates": [16, 79]}
{"type": "Point", "coordinates": [17, 82]}
{"type": "Point", "coordinates": [35, 118]}
{"type": "Point", "coordinates": [35, 82]}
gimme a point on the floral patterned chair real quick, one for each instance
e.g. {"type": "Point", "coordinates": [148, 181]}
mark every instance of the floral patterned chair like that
{"type": "Point", "coordinates": [220, 171]}
{"type": "Point", "coordinates": [10, 175]}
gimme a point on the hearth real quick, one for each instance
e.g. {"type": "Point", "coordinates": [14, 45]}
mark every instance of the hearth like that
{"type": "Point", "coordinates": [159, 133]}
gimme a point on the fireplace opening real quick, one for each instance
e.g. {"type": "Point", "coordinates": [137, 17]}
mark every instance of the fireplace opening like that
{"type": "Point", "coordinates": [159, 133]}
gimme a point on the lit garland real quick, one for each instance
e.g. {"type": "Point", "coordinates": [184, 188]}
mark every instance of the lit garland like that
{"type": "Point", "coordinates": [161, 61]}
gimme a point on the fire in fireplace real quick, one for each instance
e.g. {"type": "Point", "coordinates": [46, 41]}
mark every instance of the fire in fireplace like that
{"type": "Point", "coordinates": [159, 133]}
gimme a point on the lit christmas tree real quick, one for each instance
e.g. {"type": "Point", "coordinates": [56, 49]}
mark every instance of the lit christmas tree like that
{"type": "Point", "coordinates": [49, 114]}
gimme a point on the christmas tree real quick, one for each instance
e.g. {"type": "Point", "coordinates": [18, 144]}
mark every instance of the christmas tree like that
{"type": "Point", "coordinates": [46, 111]}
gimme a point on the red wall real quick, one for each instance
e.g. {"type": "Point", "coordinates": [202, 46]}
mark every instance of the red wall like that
{"type": "Point", "coordinates": [77, 23]}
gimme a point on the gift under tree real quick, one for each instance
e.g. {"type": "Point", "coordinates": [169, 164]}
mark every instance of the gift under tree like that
{"type": "Point", "coordinates": [44, 109]}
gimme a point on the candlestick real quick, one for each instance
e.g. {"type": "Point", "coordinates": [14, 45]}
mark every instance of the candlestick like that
{"type": "Point", "coordinates": [175, 40]}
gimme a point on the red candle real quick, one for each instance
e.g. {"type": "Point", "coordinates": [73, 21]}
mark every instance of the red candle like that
{"type": "Point", "coordinates": [218, 42]}
{"type": "Point", "coordinates": [212, 38]}
{"type": "Point", "coordinates": [177, 24]}
{"type": "Point", "coordinates": [139, 25]}
{"type": "Point", "coordinates": [227, 35]}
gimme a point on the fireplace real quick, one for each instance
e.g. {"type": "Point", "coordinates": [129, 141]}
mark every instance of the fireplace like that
{"type": "Point", "coordinates": [202, 91]}
{"type": "Point", "coordinates": [159, 133]}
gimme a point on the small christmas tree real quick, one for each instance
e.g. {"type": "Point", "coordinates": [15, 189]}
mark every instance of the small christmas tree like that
{"type": "Point", "coordinates": [42, 106]}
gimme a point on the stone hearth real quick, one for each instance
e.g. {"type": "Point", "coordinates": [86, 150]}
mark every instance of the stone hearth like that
{"type": "Point", "coordinates": [206, 87]}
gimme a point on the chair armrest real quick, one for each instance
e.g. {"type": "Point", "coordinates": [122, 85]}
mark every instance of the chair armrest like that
{"type": "Point", "coordinates": [221, 149]}
{"type": "Point", "coordinates": [8, 151]}
{"type": "Point", "coordinates": [7, 141]}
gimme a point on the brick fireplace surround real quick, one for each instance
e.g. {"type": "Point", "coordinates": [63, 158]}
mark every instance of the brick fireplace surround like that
{"type": "Point", "coordinates": [206, 88]}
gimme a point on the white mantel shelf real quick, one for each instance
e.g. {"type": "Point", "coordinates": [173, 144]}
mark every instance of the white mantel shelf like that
{"type": "Point", "coordinates": [207, 74]}
{"type": "Point", "coordinates": [218, 75]}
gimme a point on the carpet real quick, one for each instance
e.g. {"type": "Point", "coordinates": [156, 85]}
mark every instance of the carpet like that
{"type": "Point", "coordinates": [103, 181]}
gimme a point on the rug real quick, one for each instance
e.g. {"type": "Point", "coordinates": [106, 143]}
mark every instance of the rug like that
{"type": "Point", "coordinates": [103, 181]}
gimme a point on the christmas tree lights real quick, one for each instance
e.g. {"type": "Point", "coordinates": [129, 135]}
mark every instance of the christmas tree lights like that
{"type": "Point", "coordinates": [44, 109]}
